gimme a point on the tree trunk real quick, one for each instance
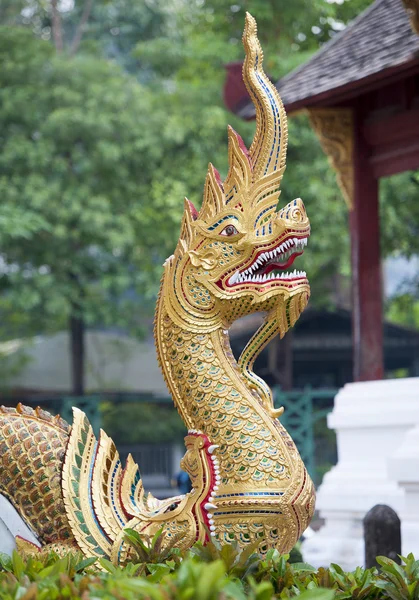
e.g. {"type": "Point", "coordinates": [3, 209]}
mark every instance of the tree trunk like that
{"type": "Point", "coordinates": [76, 325]}
{"type": "Point", "coordinates": [87, 9]}
{"type": "Point", "coordinates": [57, 30]}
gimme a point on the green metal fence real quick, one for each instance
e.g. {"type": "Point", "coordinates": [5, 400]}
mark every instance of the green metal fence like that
{"type": "Point", "coordinates": [305, 412]}
{"type": "Point", "coordinates": [304, 418]}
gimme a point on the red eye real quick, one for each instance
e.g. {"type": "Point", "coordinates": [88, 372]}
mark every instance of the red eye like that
{"type": "Point", "coordinates": [229, 230]}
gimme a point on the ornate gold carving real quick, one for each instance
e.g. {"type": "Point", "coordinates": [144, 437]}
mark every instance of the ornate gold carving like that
{"type": "Point", "coordinates": [412, 7]}
{"type": "Point", "coordinates": [334, 128]}
{"type": "Point", "coordinates": [32, 446]}
{"type": "Point", "coordinates": [249, 483]}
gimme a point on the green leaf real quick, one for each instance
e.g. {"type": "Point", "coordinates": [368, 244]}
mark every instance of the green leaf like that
{"type": "Point", "coordinates": [108, 566]}
{"type": "Point", "coordinates": [6, 562]}
{"type": "Point", "coordinates": [157, 571]}
{"type": "Point", "coordinates": [18, 564]}
{"type": "Point", "coordinates": [337, 569]}
{"type": "Point", "coordinates": [263, 591]}
{"type": "Point", "coordinates": [210, 580]}
{"type": "Point", "coordinates": [84, 564]}
{"type": "Point", "coordinates": [156, 536]}
{"type": "Point", "coordinates": [317, 594]}
{"type": "Point", "coordinates": [303, 567]}
{"type": "Point", "coordinates": [134, 538]}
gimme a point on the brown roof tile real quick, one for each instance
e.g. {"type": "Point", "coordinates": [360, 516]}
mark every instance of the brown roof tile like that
{"type": "Point", "coordinates": [379, 38]}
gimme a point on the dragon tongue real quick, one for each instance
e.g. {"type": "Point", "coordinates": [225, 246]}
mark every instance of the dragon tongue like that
{"type": "Point", "coordinates": [275, 264]}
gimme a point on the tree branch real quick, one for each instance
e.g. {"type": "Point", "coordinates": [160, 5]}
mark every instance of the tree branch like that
{"type": "Point", "coordinates": [88, 4]}
{"type": "Point", "coordinates": [57, 30]}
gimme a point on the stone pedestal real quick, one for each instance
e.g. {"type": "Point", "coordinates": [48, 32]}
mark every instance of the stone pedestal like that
{"type": "Point", "coordinates": [370, 419]}
{"type": "Point", "coordinates": [403, 467]}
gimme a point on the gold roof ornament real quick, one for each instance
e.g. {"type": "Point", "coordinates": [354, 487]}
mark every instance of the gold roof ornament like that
{"type": "Point", "coordinates": [334, 128]}
{"type": "Point", "coordinates": [249, 483]}
{"type": "Point", "coordinates": [412, 8]}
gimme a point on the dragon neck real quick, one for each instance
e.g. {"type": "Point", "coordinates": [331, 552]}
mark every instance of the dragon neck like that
{"type": "Point", "coordinates": [189, 358]}
{"type": "Point", "coordinates": [212, 396]}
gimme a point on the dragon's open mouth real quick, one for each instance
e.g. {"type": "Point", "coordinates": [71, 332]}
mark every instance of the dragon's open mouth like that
{"type": "Point", "coordinates": [269, 265]}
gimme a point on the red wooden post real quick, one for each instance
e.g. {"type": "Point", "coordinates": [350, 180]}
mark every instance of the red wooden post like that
{"type": "Point", "coordinates": [367, 317]}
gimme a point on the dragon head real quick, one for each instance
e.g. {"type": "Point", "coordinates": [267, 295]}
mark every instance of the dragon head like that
{"type": "Point", "coordinates": [235, 255]}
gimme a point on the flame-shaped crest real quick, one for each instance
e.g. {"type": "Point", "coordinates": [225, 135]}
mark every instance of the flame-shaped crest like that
{"type": "Point", "coordinates": [254, 175]}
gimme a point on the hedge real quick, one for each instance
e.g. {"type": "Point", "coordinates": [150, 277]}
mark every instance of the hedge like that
{"type": "Point", "coordinates": [204, 573]}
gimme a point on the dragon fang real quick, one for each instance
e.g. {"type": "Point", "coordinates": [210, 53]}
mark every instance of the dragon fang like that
{"type": "Point", "coordinates": [249, 483]}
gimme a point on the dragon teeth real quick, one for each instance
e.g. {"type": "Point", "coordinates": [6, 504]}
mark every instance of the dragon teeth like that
{"type": "Point", "coordinates": [282, 252]}
{"type": "Point", "coordinates": [271, 277]}
{"type": "Point", "coordinates": [234, 278]}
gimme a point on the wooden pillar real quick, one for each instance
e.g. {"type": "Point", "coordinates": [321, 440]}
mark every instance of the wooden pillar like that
{"type": "Point", "coordinates": [367, 318]}
{"type": "Point", "coordinates": [340, 131]}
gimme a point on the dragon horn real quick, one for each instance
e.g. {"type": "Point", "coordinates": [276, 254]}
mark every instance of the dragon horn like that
{"type": "Point", "coordinates": [253, 177]}
{"type": "Point", "coordinates": [269, 146]}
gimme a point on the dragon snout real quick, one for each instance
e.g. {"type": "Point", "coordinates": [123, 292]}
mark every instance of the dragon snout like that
{"type": "Point", "coordinates": [294, 212]}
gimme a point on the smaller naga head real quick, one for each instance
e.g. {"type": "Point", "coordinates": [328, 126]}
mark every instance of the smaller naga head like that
{"type": "Point", "coordinates": [235, 256]}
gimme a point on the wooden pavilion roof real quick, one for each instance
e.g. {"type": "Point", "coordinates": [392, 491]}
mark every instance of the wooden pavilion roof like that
{"type": "Point", "coordinates": [321, 329]}
{"type": "Point", "coordinates": [321, 348]}
{"type": "Point", "coordinates": [377, 45]}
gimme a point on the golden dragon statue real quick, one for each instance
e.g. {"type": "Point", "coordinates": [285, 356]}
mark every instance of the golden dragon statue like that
{"type": "Point", "coordinates": [249, 482]}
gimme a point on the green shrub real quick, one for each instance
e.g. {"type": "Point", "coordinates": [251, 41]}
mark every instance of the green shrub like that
{"type": "Point", "coordinates": [208, 572]}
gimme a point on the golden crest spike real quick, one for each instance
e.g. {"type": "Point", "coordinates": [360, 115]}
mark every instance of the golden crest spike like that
{"type": "Point", "coordinates": [189, 216]}
{"type": "Point", "coordinates": [213, 200]}
{"type": "Point", "coordinates": [269, 146]}
{"type": "Point", "coordinates": [239, 175]}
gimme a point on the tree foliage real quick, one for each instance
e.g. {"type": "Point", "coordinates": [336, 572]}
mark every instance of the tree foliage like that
{"type": "Point", "coordinates": [101, 27]}
{"type": "Point", "coordinates": [78, 151]}
{"type": "Point", "coordinates": [97, 154]}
